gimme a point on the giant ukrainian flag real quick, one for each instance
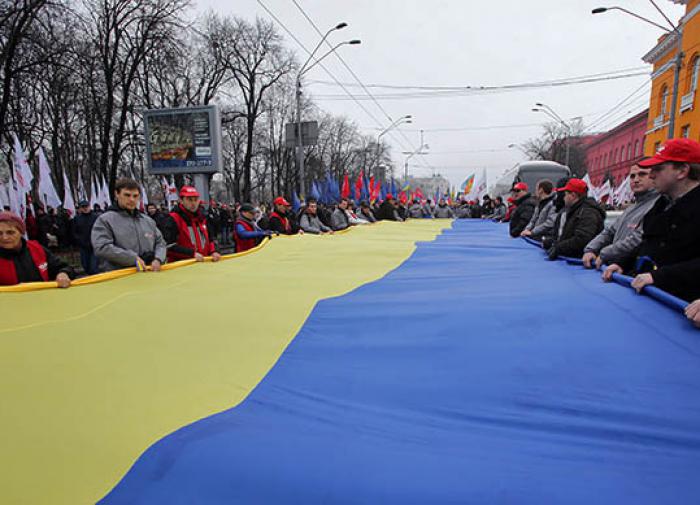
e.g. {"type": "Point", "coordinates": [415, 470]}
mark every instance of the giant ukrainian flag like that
{"type": "Point", "coordinates": [339, 370]}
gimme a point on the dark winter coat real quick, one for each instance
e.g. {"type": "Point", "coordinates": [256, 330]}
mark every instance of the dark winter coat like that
{"type": "Point", "coordinates": [583, 221]}
{"type": "Point", "coordinates": [520, 217]}
{"type": "Point", "coordinates": [671, 238]}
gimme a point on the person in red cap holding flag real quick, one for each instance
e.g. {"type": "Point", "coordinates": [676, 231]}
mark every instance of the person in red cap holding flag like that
{"type": "Point", "coordinates": [669, 255]}
{"type": "Point", "coordinates": [186, 230]}
{"type": "Point", "coordinates": [577, 223]}
{"type": "Point", "coordinates": [281, 220]}
{"type": "Point", "coordinates": [524, 204]}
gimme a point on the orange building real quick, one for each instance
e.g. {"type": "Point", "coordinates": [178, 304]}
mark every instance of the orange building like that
{"type": "Point", "coordinates": [663, 57]}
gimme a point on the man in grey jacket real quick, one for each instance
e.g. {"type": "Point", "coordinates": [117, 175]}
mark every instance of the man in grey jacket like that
{"type": "Point", "coordinates": [124, 237]}
{"type": "Point", "coordinates": [443, 211]}
{"type": "Point", "coordinates": [618, 241]}
{"type": "Point", "coordinates": [542, 222]}
{"type": "Point", "coordinates": [310, 221]}
{"type": "Point", "coordinates": [339, 218]}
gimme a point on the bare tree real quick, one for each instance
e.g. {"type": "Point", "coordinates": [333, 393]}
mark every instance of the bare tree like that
{"type": "Point", "coordinates": [257, 61]}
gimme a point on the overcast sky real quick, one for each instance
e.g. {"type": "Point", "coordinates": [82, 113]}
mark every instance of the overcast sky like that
{"type": "Point", "coordinates": [470, 43]}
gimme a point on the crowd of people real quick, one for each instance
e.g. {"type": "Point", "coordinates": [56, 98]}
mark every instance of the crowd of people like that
{"type": "Point", "coordinates": [655, 240]}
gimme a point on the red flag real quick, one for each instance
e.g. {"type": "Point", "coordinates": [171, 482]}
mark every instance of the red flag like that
{"type": "Point", "coordinates": [345, 191]}
{"type": "Point", "coordinates": [376, 190]}
{"type": "Point", "coordinates": [419, 194]}
{"type": "Point", "coordinates": [402, 197]}
{"type": "Point", "coordinates": [358, 186]}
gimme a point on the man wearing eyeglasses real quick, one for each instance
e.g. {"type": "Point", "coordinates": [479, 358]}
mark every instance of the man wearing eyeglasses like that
{"type": "Point", "coordinates": [669, 255]}
{"type": "Point", "coordinates": [619, 240]}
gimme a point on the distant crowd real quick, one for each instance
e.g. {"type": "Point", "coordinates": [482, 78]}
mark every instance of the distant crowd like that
{"type": "Point", "coordinates": [656, 239]}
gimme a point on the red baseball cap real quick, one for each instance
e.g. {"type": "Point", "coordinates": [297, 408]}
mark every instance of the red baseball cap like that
{"type": "Point", "coordinates": [186, 191]}
{"type": "Point", "coordinates": [682, 150]}
{"type": "Point", "coordinates": [281, 201]}
{"type": "Point", "coordinates": [575, 186]}
{"type": "Point", "coordinates": [389, 196]}
{"type": "Point", "coordinates": [521, 186]}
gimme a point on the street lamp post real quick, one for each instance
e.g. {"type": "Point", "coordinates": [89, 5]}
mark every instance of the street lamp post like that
{"type": "Point", "coordinates": [678, 63]}
{"type": "Point", "coordinates": [418, 151]}
{"type": "Point", "coordinates": [407, 119]}
{"type": "Point", "coordinates": [304, 68]}
{"type": "Point", "coordinates": [556, 117]}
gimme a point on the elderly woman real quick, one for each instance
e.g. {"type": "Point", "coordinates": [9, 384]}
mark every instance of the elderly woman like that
{"type": "Point", "coordinates": [27, 260]}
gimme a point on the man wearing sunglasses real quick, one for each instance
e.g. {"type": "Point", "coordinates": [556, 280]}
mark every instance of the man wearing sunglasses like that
{"type": "Point", "coordinates": [621, 239]}
{"type": "Point", "coordinates": [669, 255]}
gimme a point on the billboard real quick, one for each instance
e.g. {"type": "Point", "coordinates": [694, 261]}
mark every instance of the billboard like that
{"type": "Point", "coordinates": [183, 141]}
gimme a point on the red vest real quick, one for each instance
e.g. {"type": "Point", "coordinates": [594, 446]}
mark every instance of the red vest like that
{"type": "Point", "coordinates": [285, 222]}
{"type": "Point", "coordinates": [193, 235]}
{"type": "Point", "coordinates": [8, 274]}
{"type": "Point", "coordinates": [243, 244]}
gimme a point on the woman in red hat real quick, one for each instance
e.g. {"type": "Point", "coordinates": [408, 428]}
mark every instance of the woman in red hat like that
{"type": "Point", "coordinates": [24, 260]}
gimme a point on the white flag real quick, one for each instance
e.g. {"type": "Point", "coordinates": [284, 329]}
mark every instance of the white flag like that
{"type": "Point", "coordinates": [104, 193]}
{"type": "Point", "coordinates": [82, 192]}
{"type": "Point", "coordinates": [23, 177]}
{"type": "Point", "coordinates": [480, 186]}
{"type": "Point", "coordinates": [68, 202]}
{"type": "Point", "coordinates": [93, 193]}
{"type": "Point", "coordinates": [47, 191]}
{"type": "Point", "coordinates": [623, 194]}
{"type": "Point", "coordinates": [605, 190]}
{"type": "Point", "coordinates": [172, 191]}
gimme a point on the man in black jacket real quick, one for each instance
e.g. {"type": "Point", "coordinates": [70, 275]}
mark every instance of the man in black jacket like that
{"type": "Point", "coordinates": [524, 208]}
{"type": "Point", "coordinates": [82, 230]}
{"type": "Point", "coordinates": [577, 224]}
{"type": "Point", "coordinates": [669, 256]}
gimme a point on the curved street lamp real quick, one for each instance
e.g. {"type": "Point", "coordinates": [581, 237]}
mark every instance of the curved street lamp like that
{"type": "Point", "coordinates": [304, 68]}
{"type": "Point", "coordinates": [678, 59]}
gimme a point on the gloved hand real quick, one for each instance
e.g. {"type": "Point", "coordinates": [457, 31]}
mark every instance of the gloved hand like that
{"type": "Point", "coordinates": [547, 243]}
{"type": "Point", "coordinates": [552, 253]}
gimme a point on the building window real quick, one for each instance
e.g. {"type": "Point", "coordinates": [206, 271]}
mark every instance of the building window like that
{"type": "Point", "coordinates": [629, 151]}
{"type": "Point", "coordinates": [605, 160]}
{"type": "Point", "coordinates": [636, 148]}
{"type": "Point", "coordinates": [664, 100]}
{"type": "Point", "coordinates": [694, 76]}
{"type": "Point", "coordinates": [685, 131]}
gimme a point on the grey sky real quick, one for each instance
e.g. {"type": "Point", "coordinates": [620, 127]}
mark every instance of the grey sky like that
{"type": "Point", "coordinates": [460, 43]}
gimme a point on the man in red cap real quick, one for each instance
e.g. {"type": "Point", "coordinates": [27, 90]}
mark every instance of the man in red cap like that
{"type": "Point", "coordinates": [524, 209]}
{"type": "Point", "coordinates": [388, 210]}
{"type": "Point", "coordinates": [186, 230]}
{"type": "Point", "coordinates": [281, 221]}
{"type": "Point", "coordinates": [577, 223]}
{"type": "Point", "coordinates": [669, 255]}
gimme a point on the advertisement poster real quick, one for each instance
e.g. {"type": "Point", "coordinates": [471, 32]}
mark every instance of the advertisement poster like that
{"type": "Point", "coordinates": [182, 140]}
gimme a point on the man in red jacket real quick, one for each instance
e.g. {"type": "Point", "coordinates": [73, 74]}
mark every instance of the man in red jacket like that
{"type": "Point", "coordinates": [186, 230]}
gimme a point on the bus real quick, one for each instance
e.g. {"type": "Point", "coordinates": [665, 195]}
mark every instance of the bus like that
{"type": "Point", "coordinates": [531, 172]}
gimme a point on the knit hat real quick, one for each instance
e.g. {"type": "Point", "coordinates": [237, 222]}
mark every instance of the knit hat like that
{"type": "Point", "coordinates": [14, 219]}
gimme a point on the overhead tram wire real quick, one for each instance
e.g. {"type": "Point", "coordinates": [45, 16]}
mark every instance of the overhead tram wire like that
{"type": "Point", "coordinates": [330, 74]}
{"type": "Point", "coordinates": [635, 70]}
{"type": "Point", "coordinates": [637, 94]}
{"type": "Point", "coordinates": [487, 90]}
{"type": "Point", "coordinates": [359, 81]}
{"type": "Point", "coordinates": [616, 107]}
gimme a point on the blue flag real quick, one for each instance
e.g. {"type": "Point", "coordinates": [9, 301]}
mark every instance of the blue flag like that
{"type": "Point", "coordinates": [315, 193]}
{"type": "Point", "coordinates": [296, 204]}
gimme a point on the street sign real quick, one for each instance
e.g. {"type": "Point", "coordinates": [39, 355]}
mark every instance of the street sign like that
{"type": "Point", "coordinates": [309, 134]}
{"type": "Point", "coordinates": [183, 141]}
